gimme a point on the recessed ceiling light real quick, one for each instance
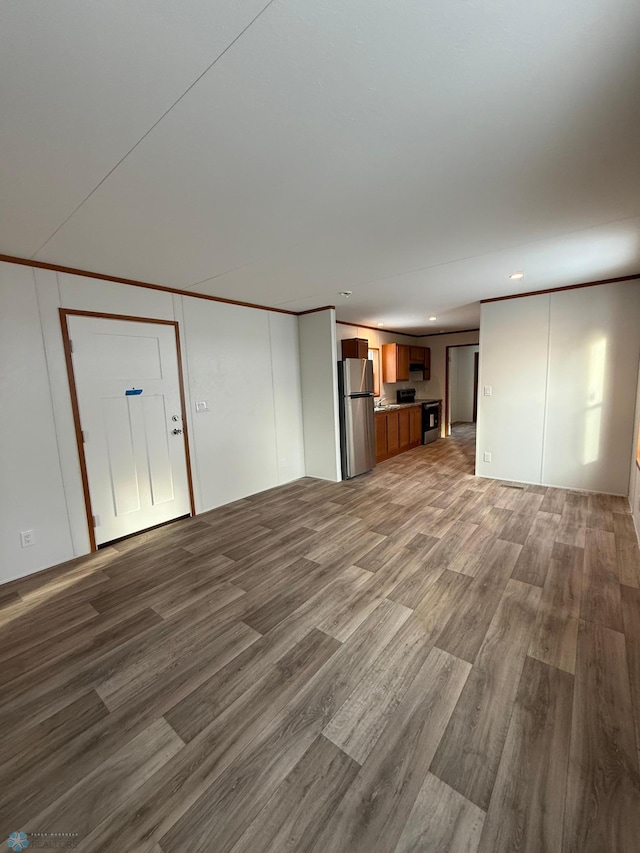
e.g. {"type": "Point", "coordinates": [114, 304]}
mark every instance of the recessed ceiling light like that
{"type": "Point", "coordinates": [433, 319]}
{"type": "Point", "coordinates": [381, 324]}
{"type": "Point", "coordinates": [345, 293]}
{"type": "Point", "coordinates": [516, 275]}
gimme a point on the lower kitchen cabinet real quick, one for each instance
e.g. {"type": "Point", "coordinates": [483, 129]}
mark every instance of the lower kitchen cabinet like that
{"type": "Point", "coordinates": [397, 431]}
{"type": "Point", "coordinates": [403, 428]}
{"type": "Point", "coordinates": [415, 425]}
{"type": "Point", "coordinates": [393, 433]}
{"type": "Point", "coordinates": [381, 435]}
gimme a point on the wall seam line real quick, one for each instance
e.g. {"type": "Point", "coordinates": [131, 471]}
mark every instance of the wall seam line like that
{"type": "Point", "coordinates": [56, 425]}
{"type": "Point", "coordinates": [273, 400]}
{"type": "Point", "coordinates": [546, 393]}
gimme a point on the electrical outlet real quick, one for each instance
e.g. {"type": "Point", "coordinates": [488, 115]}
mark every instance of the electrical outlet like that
{"type": "Point", "coordinates": [487, 456]}
{"type": "Point", "coordinates": [27, 538]}
{"type": "Point", "coordinates": [283, 462]}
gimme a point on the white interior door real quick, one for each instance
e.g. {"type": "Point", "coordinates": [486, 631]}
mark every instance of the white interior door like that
{"type": "Point", "coordinates": [128, 389]}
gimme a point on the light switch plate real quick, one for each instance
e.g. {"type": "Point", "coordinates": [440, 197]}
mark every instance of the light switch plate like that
{"type": "Point", "coordinates": [488, 390]}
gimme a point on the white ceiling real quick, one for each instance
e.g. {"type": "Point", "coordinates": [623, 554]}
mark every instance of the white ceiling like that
{"type": "Point", "coordinates": [414, 152]}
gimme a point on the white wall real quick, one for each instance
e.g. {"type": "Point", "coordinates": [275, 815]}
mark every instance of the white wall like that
{"type": "Point", "coordinates": [461, 373]}
{"type": "Point", "coordinates": [434, 388]}
{"type": "Point", "coordinates": [563, 368]}
{"type": "Point", "coordinates": [318, 373]}
{"type": "Point", "coordinates": [32, 494]}
{"type": "Point", "coordinates": [244, 362]}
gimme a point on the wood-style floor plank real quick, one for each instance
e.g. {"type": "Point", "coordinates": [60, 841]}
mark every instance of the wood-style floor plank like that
{"type": "Point", "coordinates": [95, 797]}
{"type": "Point", "coordinates": [375, 809]}
{"type": "Point", "coordinates": [555, 637]}
{"type": "Point", "coordinates": [237, 795]}
{"type": "Point", "coordinates": [370, 665]}
{"type": "Point", "coordinates": [468, 756]}
{"type": "Point", "coordinates": [441, 819]}
{"type": "Point", "coordinates": [627, 551]}
{"type": "Point", "coordinates": [361, 720]}
{"type": "Point", "coordinates": [303, 803]}
{"type": "Point", "coordinates": [465, 631]}
{"type": "Point", "coordinates": [631, 614]}
{"type": "Point", "coordinates": [601, 588]}
{"type": "Point", "coordinates": [526, 810]}
{"type": "Point", "coordinates": [603, 791]}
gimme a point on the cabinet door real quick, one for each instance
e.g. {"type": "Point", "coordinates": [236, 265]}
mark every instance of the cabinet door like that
{"type": "Point", "coordinates": [355, 348]}
{"type": "Point", "coordinates": [415, 425]}
{"type": "Point", "coordinates": [381, 435]}
{"type": "Point", "coordinates": [393, 432]}
{"type": "Point", "coordinates": [416, 355]}
{"type": "Point", "coordinates": [427, 363]}
{"type": "Point", "coordinates": [403, 363]}
{"type": "Point", "coordinates": [403, 427]}
{"type": "Point", "coordinates": [389, 362]}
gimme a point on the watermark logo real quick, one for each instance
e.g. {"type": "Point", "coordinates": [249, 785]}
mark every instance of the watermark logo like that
{"type": "Point", "coordinates": [18, 841]}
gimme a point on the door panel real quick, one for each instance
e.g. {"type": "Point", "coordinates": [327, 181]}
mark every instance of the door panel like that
{"type": "Point", "coordinates": [135, 453]}
{"type": "Point", "coordinates": [159, 455]}
{"type": "Point", "coordinates": [121, 457]}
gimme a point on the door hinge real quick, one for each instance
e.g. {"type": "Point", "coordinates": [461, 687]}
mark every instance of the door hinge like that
{"type": "Point", "coordinates": [96, 521]}
{"type": "Point", "coordinates": [70, 345]}
{"type": "Point", "coordinates": [84, 436]}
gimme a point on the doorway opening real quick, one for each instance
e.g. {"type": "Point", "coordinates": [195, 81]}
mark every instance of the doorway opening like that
{"type": "Point", "coordinates": [461, 389]}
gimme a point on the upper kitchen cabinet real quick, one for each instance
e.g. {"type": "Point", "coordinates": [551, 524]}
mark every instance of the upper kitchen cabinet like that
{"type": "Point", "coordinates": [427, 363]}
{"type": "Point", "coordinates": [420, 361]}
{"type": "Point", "coordinates": [355, 348]}
{"type": "Point", "coordinates": [395, 363]}
{"type": "Point", "coordinates": [398, 361]}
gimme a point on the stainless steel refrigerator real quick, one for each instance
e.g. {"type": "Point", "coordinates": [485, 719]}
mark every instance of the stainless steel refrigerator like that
{"type": "Point", "coordinates": [357, 426]}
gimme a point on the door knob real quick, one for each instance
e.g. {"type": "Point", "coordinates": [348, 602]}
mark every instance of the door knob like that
{"type": "Point", "coordinates": [176, 432]}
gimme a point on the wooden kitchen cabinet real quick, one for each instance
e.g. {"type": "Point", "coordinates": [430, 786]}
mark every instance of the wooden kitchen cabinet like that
{"type": "Point", "coordinates": [420, 360]}
{"type": "Point", "coordinates": [396, 359]}
{"type": "Point", "coordinates": [393, 433]}
{"type": "Point", "coordinates": [415, 425]}
{"type": "Point", "coordinates": [427, 363]}
{"type": "Point", "coordinates": [381, 435]}
{"type": "Point", "coordinates": [397, 431]}
{"type": "Point", "coordinates": [355, 348]}
{"type": "Point", "coordinates": [395, 363]}
{"type": "Point", "coordinates": [403, 428]}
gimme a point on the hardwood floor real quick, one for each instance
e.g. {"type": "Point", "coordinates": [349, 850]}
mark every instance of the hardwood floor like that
{"type": "Point", "coordinates": [414, 660]}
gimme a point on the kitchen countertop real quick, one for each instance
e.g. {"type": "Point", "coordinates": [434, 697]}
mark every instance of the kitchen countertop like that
{"type": "Point", "coordinates": [390, 407]}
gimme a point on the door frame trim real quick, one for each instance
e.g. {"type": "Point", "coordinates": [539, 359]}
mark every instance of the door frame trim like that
{"type": "Point", "coordinates": [445, 430]}
{"type": "Point", "coordinates": [66, 341]}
